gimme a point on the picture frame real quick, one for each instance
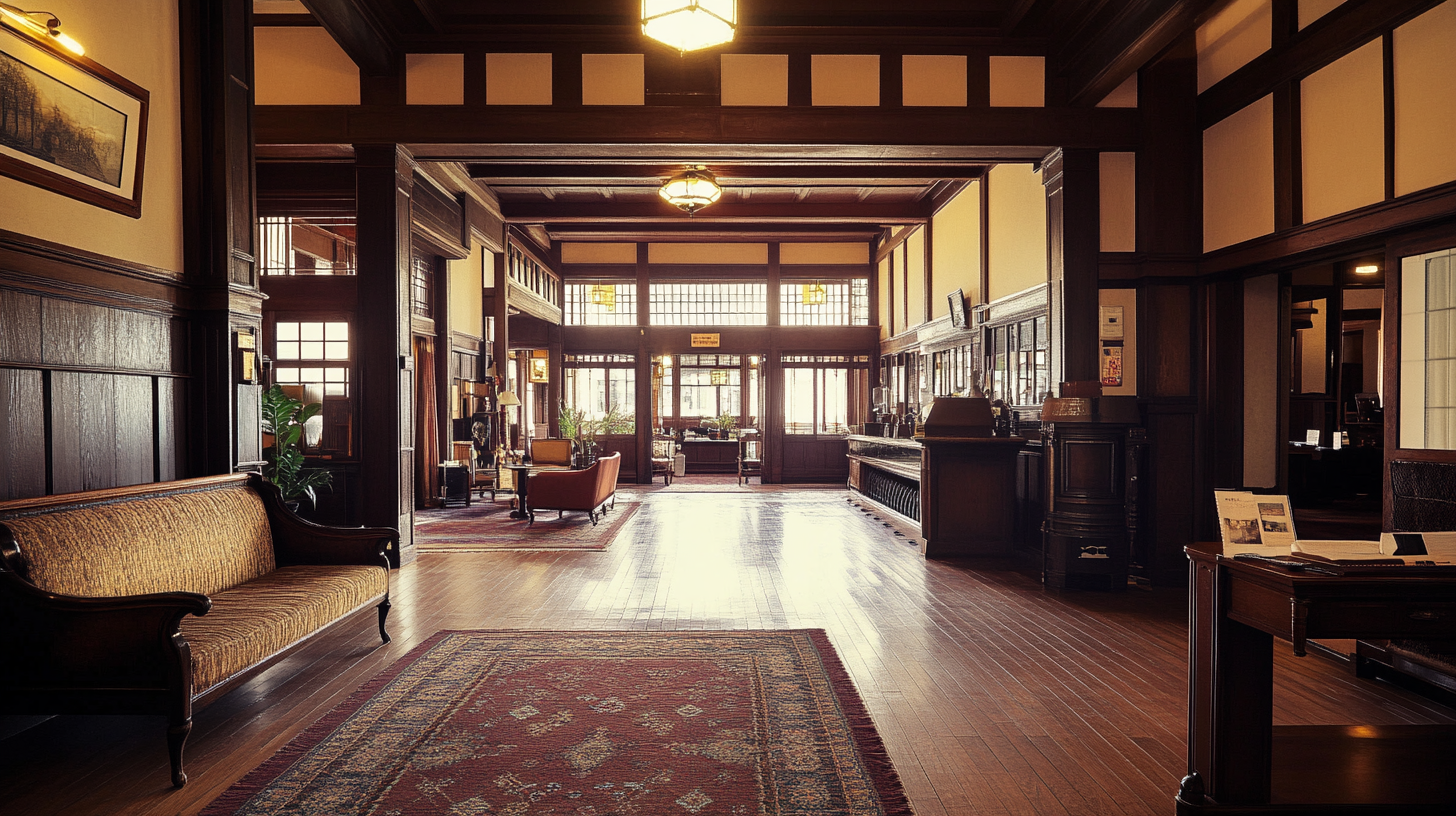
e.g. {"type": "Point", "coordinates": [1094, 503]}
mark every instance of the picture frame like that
{"type": "Point", "coordinates": [84, 133]}
{"type": "Point", "coordinates": [957, 308]}
{"type": "Point", "coordinates": [539, 371]}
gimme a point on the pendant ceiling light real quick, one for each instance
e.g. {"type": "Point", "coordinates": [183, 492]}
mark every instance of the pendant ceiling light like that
{"type": "Point", "coordinates": [691, 190]}
{"type": "Point", "coordinates": [604, 295]}
{"type": "Point", "coordinates": [689, 25]}
{"type": "Point", "coordinates": [813, 294]}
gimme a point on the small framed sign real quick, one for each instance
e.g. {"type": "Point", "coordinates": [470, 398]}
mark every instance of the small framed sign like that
{"type": "Point", "coordinates": [705, 340]}
{"type": "Point", "coordinates": [957, 308]}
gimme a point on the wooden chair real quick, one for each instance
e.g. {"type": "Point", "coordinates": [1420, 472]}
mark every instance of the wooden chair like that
{"type": "Point", "coordinates": [750, 456]}
{"type": "Point", "coordinates": [551, 452]}
{"type": "Point", "coordinates": [664, 452]}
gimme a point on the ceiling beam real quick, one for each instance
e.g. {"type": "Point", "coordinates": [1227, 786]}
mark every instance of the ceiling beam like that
{"type": "Point", "coordinates": [1095, 60]}
{"type": "Point", "coordinates": [700, 230]}
{"type": "Point", "coordinates": [542, 173]}
{"type": "Point", "coordinates": [369, 41]}
{"type": "Point", "coordinates": [998, 134]}
{"type": "Point", "coordinates": [722, 212]}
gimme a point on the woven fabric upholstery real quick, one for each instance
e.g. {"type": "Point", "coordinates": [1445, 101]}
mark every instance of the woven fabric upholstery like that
{"type": "Point", "coordinates": [252, 622]}
{"type": "Point", "coordinates": [206, 541]}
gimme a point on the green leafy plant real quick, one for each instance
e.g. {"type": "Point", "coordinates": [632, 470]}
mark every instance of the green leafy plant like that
{"type": "Point", "coordinates": [617, 421]}
{"type": "Point", "coordinates": [283, 418]}
{"type": "Point", "coordinates": [573, 420]}
{"type": "Point", "coordinates": [725, 421]}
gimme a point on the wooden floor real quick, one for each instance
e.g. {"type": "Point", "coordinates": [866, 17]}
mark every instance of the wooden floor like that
{"type": "Point", "coordinates": [992, 695]}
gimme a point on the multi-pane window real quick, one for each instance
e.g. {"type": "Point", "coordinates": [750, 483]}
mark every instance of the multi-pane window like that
{"type": "Point", "coordinates": [306, 246]}
{"type": "Point", "coordinates": [422, 286]}
{"type": "Point", "coordinates": [603, 387]}
{"type": "Point", "coordinates": [951, 370]}
{"type": "Point", "coordinates": [824, 394]}
{"type": "Point", "coordinates": [1018, 362]}
{"type": "Point", "coordinates": [825, 303]}
{"type": "Point", "coordinates": [312, 358]}
{"type": "Point", "coordinates": [609, 303]}
{"type": "Point", "coordinates": [709, 304]}
{"type": "Point", "coordinates": [709, 385]}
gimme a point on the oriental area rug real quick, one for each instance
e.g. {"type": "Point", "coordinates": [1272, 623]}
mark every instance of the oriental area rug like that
{"type": "Point", "coordinates": [537, 722]}
{"type": "Point", "coordinates": [488, 526]}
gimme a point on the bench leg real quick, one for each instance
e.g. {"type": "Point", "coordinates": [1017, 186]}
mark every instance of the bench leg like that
{"type": "Point", "coordinates": [176, 738]}
{"type": "Point", "coordinates": [383, 613]}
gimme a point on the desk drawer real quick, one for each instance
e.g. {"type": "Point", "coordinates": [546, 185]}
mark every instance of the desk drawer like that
{"type": "Point", "coordinates": [1382, 619]}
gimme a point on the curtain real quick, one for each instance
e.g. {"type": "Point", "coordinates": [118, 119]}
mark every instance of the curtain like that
{"type": "Point", "coordinates": [427, 436]}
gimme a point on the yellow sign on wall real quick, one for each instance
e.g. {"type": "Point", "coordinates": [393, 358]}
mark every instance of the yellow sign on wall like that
{"type": "Point", "coordinates": [705, 340]}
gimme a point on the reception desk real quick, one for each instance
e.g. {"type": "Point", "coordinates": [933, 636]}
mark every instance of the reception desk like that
{"type": "Point", "coordinates": [710, 455]}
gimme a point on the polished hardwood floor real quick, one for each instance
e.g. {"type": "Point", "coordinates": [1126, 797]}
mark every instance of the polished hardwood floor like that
{"type": "Point", "coordinates": [993, 696]}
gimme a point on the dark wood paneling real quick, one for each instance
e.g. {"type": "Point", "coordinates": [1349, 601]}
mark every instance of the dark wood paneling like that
{"type": "Point", "coordinates": [77, 334]}
{"type": "Point", "coordinates": [438, 218]}
{"type": "Point", "coordinates": [143, 341]}
{"type": "Point", "coordinates": [22, 434]}
{"type": "Point", "coordinates": [1170, 341]}
{"type": "Point", "coordinates": [20, 323]}
{"type": "Point", "coordinates": [83, 431]}
{"type": "Point", "coordinates": [135, 427]}
{"type": "Point", "coordinates": [1171, 488]}
{"type": "Point", "coordinates": [814, 460]}
{"type": "Point", "coordinates": [171, 432]}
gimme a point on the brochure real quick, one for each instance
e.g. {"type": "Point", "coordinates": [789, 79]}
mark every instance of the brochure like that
{"type": "Point", "coordinates": [1249, 523]}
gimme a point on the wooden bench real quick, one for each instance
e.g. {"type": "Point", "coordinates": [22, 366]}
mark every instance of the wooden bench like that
{"type": "Point", "coordinates": [156, 598]}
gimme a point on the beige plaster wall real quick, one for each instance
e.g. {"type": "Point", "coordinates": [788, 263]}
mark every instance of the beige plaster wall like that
{"type": "Point", "coordinates": [1342, 130]}
{"type": "Point", "coordinates": [1238, 176]}
{"type": "Point", "coordinates": [955, 250]}
{"type": "Point", "coordinates": [1018, 234]}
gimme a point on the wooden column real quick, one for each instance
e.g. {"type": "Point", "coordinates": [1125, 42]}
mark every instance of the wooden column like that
{"type": "Point", "coordinates": [220, 232]}
{"type": "Point", "coordinates": [385, 184]}
{"type": "Point", "coordinates": [1073, 247]}
{"type": "Point", "coordinates": [501, 352]}
{"type": "Point", "coordinates": [644, 368]}
{"type": "Point", "coordinates": [772, 382]}
{"type": "Point", "coordinates": [444, 362]}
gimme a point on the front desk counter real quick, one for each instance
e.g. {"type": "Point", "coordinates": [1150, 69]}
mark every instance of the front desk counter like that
{"type": "Point", "coordinates": [703, 455]}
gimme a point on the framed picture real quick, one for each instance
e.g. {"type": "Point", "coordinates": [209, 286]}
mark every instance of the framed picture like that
{"type": "Point", "coordinates": [539, 370]}
{"type": "Point", "coordinates": [957, 308]}
{"type": "Point", "coordinates": [72, 126]}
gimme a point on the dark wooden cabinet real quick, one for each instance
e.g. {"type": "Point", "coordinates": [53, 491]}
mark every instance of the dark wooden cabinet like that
{"type": "Point", "coordinates": [711, 455]}
{"type": "Point", "coordinates": [1093, 449]}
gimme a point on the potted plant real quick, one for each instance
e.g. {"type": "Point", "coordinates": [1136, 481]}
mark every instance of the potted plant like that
{"type": "Point", "coordinates": [725, 423]}
{"type": "Point", "coordinates": [283, 419]}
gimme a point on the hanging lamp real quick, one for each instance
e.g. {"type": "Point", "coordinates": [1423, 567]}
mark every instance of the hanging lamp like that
{"type": "Point", "coordinates": [691, 190]}
{"type": "Point", "coordinates": [690, 25]}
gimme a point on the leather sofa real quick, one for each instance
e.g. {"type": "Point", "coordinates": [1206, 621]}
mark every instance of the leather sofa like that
{"type": "Point", "coordinates": [155, 598]}
{"type": "Point", "coordinates": [589, 490]}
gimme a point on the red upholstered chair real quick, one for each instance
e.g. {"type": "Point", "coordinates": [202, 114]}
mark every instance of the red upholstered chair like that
{"type": "Point", "coordinates": [589, 490]}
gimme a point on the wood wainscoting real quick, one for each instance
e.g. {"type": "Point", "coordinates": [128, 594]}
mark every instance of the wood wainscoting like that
{"type": "Point", "coordinates": [815, 458]}
{"type": "Point", "coordinates": [93, 376]}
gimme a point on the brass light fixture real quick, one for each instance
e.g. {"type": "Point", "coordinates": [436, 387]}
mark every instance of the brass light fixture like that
{"type": "Point", "coordinates": [31, 23]}
{"type": "Point", "coordinates": [691, 190]}
{"type": "Point", "coordinates": [718, 376]}
{"type": "Point", "coordinates": [690, 25]}
{"type": "Point", "coordinates": [603, 295]}
{"type": "Point", "coordinates": [813, 294]}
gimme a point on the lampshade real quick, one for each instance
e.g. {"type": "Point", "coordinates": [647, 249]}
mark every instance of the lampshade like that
{"type": "Point", "coordinates": [813, 294]}
{"type": "Point", "coordinates": [691, 190]}
{"type": "Point", "coordinates": [508, 398]}
{"type": "Point", "coordinates": [689, 25]}
{"type": "Point", "coordinates": [23, 20]}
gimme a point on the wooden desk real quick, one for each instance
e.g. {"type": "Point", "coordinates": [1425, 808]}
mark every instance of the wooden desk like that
{"type": "Point", "coordinates": [710, 455]}
{"type": "Point", "coordinates": [1238, 762]}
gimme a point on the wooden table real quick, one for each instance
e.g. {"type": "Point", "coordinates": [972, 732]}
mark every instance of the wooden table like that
{"type": "Point", "coordinates": [523, 474]}
{"type": "Point", "coordinates": [1238, 762]}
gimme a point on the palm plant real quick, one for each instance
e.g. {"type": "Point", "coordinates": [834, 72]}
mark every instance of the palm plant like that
{"type": "Point", "coordinates": [283, 418]}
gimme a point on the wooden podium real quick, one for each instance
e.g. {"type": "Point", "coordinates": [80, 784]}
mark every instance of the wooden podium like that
{"type": "Point", "coordinates": [967, 481]}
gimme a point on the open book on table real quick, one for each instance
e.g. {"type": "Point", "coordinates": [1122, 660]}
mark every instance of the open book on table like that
{"type": "Point", "coordinates": [1249, 523]}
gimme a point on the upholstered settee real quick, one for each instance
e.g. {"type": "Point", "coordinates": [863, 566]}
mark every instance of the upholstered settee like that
{"type": "Point", "coordinates": [589, 490]}
{"type": "Point", "coordinates": [156, 598]}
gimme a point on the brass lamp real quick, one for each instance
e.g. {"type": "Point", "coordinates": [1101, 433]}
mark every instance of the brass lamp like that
{"type": "Point", "coordinates": [690, 25]}
{"type": "Point", "coordinates": [691, 190]}
{"type": "Point", "coordinates": [29, 21]}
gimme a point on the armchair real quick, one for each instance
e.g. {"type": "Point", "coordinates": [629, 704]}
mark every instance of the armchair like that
{"type": "Point", "coordinates": [589, 490]}
{"type": "Point", "coordinates": [551, 452]}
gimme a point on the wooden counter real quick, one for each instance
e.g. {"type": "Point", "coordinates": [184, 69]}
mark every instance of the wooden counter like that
{"type": "Point", "coordinates": [710, 455]}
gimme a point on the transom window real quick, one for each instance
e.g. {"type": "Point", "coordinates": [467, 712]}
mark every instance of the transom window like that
{"type": "Point", "coordinates": [307, 246]}
{"type": "Point", "coordinates": [601, 303]}
{"type": "Point", "coordinates": [709, 304]}
{"type": "Point", "coordinates": [824, 302]}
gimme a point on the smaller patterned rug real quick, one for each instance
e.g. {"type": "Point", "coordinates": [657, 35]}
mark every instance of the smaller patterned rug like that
{"type": "Point", "coordinates": [571, 723]}
{"type": "Point", "coordinates": [488, 527]}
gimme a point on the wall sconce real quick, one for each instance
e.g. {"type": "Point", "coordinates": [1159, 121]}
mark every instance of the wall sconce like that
{"type": "Point", "coordinates": [814, 294]}
{"type": "Point", "coordinates": [689, 25]}
{"type": "Point", "coordinates": [29, 21]}
{"type": "Point", "coordinates": [1367, 269]}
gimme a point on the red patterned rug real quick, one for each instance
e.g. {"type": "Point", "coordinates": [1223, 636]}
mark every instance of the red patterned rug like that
{"type": "Point", "coordinates": [534, 722]}
{"type": "Point", "coordinates": [486, 526]}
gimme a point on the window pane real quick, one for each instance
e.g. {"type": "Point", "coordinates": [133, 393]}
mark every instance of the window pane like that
{"type": "Point", "coordinates": [286, 351]}
{"type": "Point", "coordinates": [799, 400]}
{"type": "Point", "coordinates": [336, 331]}
{"type": "Point", "coordinates": [336, 351]}
{"type": "Point", "coordinates": [286, 330]}
{"type": "Point", "coordinates": [311, 331]}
